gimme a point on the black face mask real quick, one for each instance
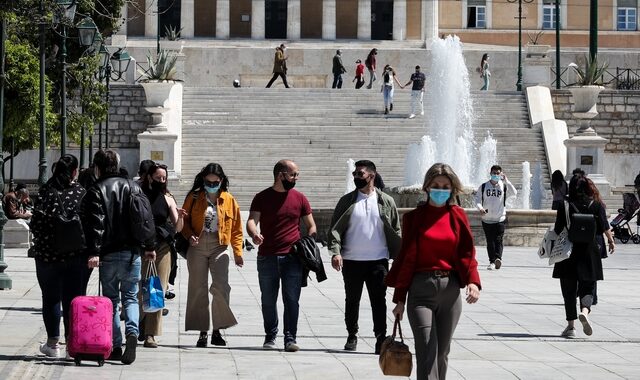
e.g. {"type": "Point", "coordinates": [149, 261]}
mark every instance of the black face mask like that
{"type": "Point", "coordinates": [360, 183]}
{"type": "Point", "coordinates": [288, 185]}
{"type": "Point", "coordinates": [158, 186]}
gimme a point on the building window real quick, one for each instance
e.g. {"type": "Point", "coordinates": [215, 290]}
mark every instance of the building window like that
{"type": "Point", "coordinates": [477, 16]}
{"type": "Point", "coordinates": [549, 16]}
{"type": "Point", "coordinates": [627, 19]}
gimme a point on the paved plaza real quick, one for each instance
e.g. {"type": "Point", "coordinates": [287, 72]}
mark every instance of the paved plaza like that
{"type": "Point", "coordinates": [512, 333]}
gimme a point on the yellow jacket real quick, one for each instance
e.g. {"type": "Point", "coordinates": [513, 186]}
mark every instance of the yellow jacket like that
{"type": "Point", "coordinates": [229, 220]}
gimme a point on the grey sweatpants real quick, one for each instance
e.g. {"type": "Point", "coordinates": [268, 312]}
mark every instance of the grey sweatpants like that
{"type": "Point", "coordinates": [434, 306]}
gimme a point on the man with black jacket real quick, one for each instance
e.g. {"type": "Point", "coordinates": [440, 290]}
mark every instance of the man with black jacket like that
{"type": "Point", "coordinates": [364, 235]}
{"type": "Point", "coordinates": [112, 246]}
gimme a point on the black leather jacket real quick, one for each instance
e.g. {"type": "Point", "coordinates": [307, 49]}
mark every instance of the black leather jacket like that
{"type": "Point", "coordinates": [309, 254]}
{"type": "Point", "coordinates": [105, 216]}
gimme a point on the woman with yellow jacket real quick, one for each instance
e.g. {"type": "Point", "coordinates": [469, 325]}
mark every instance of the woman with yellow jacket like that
{"type": "Point", "coordinates": [212, 225]}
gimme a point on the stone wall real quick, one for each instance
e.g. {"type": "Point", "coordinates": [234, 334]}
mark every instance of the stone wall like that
{"type": "Point", "coordinates": [618, 118]}
{"type": "Point", "coordinates": [127, 116]}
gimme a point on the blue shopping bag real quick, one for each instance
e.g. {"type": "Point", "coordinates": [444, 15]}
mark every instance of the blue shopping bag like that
{"type": "Point", "coordinates": [152, 293]}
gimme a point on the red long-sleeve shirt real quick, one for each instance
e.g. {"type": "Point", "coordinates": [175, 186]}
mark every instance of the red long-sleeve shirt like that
{"type": "Point", "coordinates": [434, 238]}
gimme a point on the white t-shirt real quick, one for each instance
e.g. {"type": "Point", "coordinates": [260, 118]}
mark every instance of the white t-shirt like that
{"type": "Point", "coordinates": [211, 219]}
{"type": "Point", "coordinates": [365, 238]}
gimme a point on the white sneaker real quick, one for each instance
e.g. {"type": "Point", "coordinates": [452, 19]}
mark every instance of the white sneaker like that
{"type": "Point", "coordinates": [422, 113]}
{"type": "Point", "coordinates": [498, 263]}
{"type": "Point", "coordinates": [586, 325]}
{"type": "Point", "coordinates": [412, 116]}
{"type": "Point", "coordinates": [52, 352]}
{"type": "Point", "coordinates": [569, 333]}
{"type": "Point", "coordinates": [491, 266]}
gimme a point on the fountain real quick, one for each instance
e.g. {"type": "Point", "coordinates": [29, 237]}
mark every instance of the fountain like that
{"type": "Point", "coordinates": [351, 167]}
{"type": "Point", "coordinates": [449, 134]}
{"type": "Point", "coordinates": [538, 192]}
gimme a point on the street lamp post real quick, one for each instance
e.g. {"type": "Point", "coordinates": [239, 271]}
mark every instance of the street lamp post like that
{"type": "Point", "coordinates": [519, 82]}
{"type": "Point", "coordinates": [42, 166]}
{"type": "Point", "coordinates": [557, 19]}
{"type": "Point", "coordinates": [5, 280]}
{"type": "Point", "coordinates": [112, 67]}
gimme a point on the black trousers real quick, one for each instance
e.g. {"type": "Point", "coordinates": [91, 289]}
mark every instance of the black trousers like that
{"type": "Point", "coordinates": [275, 76]}
{"type": "Point", "coordinates": [572, 288]}
{"type": "Point", "coordinates": [494, 233]}
{"type": "Point", "coordinates": [355, 275]}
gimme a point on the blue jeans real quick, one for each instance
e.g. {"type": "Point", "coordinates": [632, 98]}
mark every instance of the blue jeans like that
{"type": "Point", "coordinates": [387, 94]}
{"type": "Point", "coordinates": [337, 81]}
{"type": "Point", "coordinates": [272, 270]}
{"type": "Point", "coordinates": [119, 276]}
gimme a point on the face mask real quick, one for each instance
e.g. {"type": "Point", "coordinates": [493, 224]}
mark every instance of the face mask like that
{"type": "Point", "coordinates": [360, 183]}
{"type": "Point", "coordinates": [288, 185]}
{"type": "Point", "coordinates": [495, 178]}
{"type": "Point", "coordinates": [212, 189]}
{"type": "Point", "coordinates": [439, 196]}
{"type": "Point", "coordinates": [158, 186]}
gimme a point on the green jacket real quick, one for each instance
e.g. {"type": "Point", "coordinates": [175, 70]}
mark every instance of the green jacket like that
{"type": "Point", "coordinates": [342, 216]}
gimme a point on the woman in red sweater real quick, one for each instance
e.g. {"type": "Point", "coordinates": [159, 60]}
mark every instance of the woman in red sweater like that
{"type": "Point", "coordinates": [437, 258]}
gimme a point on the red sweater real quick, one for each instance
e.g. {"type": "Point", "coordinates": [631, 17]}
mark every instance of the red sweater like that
{"type": "Point", "coordinates": [434, 238]}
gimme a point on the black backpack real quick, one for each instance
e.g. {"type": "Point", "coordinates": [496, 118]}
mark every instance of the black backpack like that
{"type": "Point", "coordinates": [583, 226]}
{"type": "Point", "coordinates": [68, 232]}
{"type": "Point", "coordinates": [143, 229]}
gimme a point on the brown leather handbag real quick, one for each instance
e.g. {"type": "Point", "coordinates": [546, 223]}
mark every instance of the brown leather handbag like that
{"type": "Point", "coordinates": [395, 358]}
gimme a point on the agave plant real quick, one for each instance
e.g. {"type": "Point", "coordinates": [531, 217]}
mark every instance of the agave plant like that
{"type": "Point", "coordinates": [162, 67]}
{"type": "Point", "coordinates": [172, 33]}
{"type": "Point", "coordinates": [592, 73]}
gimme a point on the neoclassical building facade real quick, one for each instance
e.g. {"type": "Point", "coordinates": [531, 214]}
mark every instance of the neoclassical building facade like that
{"type": "Point", "coordinates": [479, 21]}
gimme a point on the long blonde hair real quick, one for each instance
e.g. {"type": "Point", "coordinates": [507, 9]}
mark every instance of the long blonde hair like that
{"type": "Point", "coordinates": [440, 169]}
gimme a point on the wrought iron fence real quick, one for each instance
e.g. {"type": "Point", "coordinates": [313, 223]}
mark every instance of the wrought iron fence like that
{"type": "Point", "coordinates": [620, 79]}
{"type": "Point", "coordinates": [142, 69]}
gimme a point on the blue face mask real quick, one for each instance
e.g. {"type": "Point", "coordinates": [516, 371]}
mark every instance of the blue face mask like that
{"type": "Point", "coordinates": [212, 189]}
{"type": "Point", "coordinates": [439, 196]}
{"type": "Point", "coordinates": [495, 178]}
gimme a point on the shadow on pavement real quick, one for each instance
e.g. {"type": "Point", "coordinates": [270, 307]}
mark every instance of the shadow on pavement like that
{"type": "Point", "coordinates": [518, 335]}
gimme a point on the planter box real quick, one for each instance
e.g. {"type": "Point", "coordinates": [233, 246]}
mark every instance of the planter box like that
{"type": "Point", "coordinates": [536, 50]}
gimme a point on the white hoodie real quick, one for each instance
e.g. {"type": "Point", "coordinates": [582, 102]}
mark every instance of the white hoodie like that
{"type": "Point", "coordinates": [493, 200]}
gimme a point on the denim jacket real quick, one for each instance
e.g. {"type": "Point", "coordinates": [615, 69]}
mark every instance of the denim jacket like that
{"type": "Point", "coordinates": [342, 215]}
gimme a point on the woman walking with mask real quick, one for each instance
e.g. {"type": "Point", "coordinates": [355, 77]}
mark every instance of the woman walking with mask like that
{"type": "Point", "coordinates": [168, 219]}
{"type": "Point", "coordinates": [437, 258]}
{"type": "Point", "coordinates": [62, 276]}
{"type": "Point", "coordinates": [212, 225]}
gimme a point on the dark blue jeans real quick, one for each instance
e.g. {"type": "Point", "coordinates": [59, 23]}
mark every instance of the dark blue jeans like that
{"type": "Point", "coordinates": [60, 282]}
{"type": "Point", "coordinates": [337, 81]}
{"type": "Point", "coordinates": [271, 271]}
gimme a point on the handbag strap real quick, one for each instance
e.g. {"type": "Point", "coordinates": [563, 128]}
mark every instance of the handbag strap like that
{"type": "Point", "coordinates": [151, 269]}
{"type": "Point", "coordinates": [566, 214]}
{"type": "Point", "coordinates": [398, 326]}
{"type": "Point", "coordinates": [63, 212]}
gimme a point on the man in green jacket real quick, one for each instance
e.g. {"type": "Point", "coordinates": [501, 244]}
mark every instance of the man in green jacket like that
{"type": "Point", "coordinates": [279, 66]}
{"type": "Point", "coordinates": [364, 235]}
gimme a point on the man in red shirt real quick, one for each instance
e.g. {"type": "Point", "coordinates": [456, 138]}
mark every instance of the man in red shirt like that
{"type": "Point", "coordinates": [278, 209]}
{"type": "Point", "coordinates": [359, 78]}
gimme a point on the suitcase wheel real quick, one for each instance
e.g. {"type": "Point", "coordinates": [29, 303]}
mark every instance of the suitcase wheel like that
{"type": "Point", "coordinates": [100, 362]}
{"type": "Point", "coordinates": [77, 360]}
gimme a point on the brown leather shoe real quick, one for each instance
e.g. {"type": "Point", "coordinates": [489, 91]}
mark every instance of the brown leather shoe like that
{"type": "Point", "coordinates": [150, 342]}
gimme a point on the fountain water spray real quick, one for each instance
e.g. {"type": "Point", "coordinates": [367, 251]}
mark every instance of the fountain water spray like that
{"type": "Point", "coordinates": [449, 135]}
{"type": "Point", "coordinates": [351, 167]}
{"type": "Point", "coordinates": [525, 193]}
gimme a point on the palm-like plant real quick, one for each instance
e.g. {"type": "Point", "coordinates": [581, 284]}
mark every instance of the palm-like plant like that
{"type": "Point", "coordinates": [162, 67]}
{"type": "Point", "coordinates": [592, 73]}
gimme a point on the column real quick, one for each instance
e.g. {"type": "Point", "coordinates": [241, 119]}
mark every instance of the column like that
{"type": "Point", "coordinates": [399, 19]}
{"type": "Point", "coordinates": [257, 19]}
{"type": "Point", "coordinates": [222, 19]}
{"type": "Point", "coordinates": [364, 19]}
{"type": "Point", "coordinates": [293, 19]}
{"type": "Point", "coordinates": [329, 19]}
{"type": "Point", "coordinates": [431, 19]}
{"type": "Point", "coordinates": [151, 18]}
{"type": "Point", "coordinates": [187, 18]}
{"type": "Point", "coordinates": [120, 38]}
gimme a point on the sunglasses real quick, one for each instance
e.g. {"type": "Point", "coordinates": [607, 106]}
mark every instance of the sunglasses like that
{"type": "Point", "coordinates": [292, 175]}
{"type": "Point", "coordinates": [360, 173]}
{"type": "Point", "coordinates": [211, 184]}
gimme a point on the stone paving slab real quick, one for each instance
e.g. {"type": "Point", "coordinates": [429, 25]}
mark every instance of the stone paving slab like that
{"type": "Point", "coordinates": [512, 333]}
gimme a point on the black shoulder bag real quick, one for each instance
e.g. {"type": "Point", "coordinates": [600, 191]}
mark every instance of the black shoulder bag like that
{"type": "Point", "coordinates": [68, 232]}
{"type": "Point", "coordinates": [182, 243]}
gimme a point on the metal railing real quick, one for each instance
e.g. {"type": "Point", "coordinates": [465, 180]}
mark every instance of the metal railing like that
{"type": "Point", "coordinates": [620, 79]}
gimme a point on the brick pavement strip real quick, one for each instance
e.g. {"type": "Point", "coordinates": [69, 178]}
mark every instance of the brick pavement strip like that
{"type": "Point", "coordinates": [512, 333]}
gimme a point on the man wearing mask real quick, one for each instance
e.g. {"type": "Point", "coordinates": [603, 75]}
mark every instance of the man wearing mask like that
{"type": "Point", "coordinates": [491, 201]}
{"type": "Point", "coordinates": [338, 69]}
{"type": "Point", "coordinates": [364, 235]}
{"type": "Point", "coordinates": [417, 92]}
{"type": "Point", "coordinates": [278, 210]}
{"type": "Point", "coordinates": [279, 66]}
{"type": "Point", "coordinates": [112, 246]}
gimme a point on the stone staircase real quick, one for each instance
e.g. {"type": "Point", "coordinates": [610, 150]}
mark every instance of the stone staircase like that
{"type": "Point", "coordinates": [247, 130]}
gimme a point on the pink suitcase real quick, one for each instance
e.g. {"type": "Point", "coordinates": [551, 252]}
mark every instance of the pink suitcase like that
{"type": "Point", "coordinates": [90, 337]}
